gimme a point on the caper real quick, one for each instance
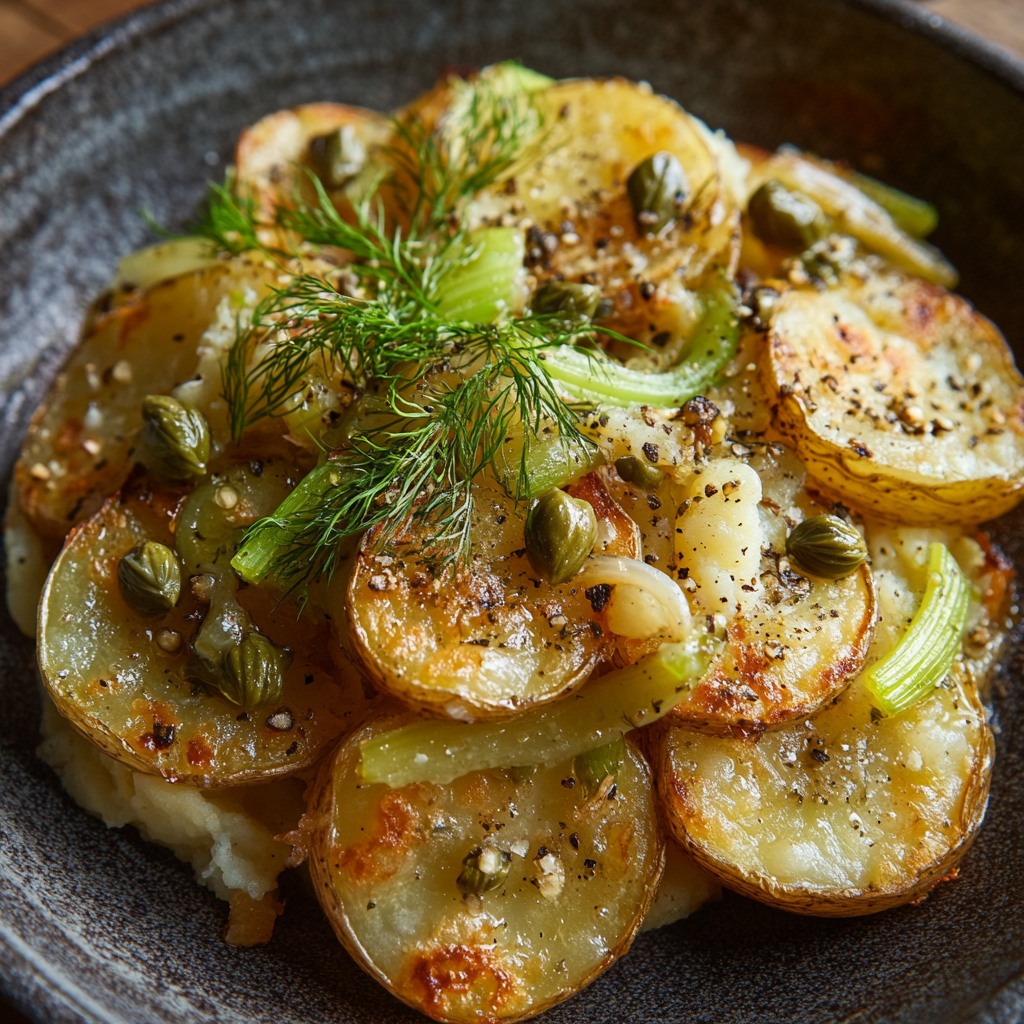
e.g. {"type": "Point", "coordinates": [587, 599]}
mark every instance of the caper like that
{"type": "Point", "coordinates": [338, 156]}
{"type": "Point", "coordinates": [787, 219]}
{"type": "Point", "coordinates": [657, 189]}
{"type": "Point", "coordinates": [253, 672]}
{"type": "Point", "coordinates": [826, 546]}
{"type": "Point", "coordinates": [149, 579]}
{"type": "Point", "coordinates": [573, 301]}
{"type": "Point", "coordinates": [484, 869]}
{"type": "Point", "coordinates": [637, 471]}
{"type": "Point", "coordinates": [560, 533]}
{"type": "Point", "coordinates": [175, 438]}
{"type": "Point", "coordinates": [522, 772]}
{"type": "Point", "coordinates": [593, 767]}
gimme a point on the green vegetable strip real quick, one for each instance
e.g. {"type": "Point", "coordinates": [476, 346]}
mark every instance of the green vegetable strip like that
{"type": "Point", "coordinates": [925, 653]}
{"type": "Point", "coordinates": [253, 560]}
{"type": "Point", "coordinates": [596, 379]}
{"type": "Point", "coordinates": [913, 215]}
{"type": "Point", "coordinates": [482, 286]}
{"type": "Point", "coordinates": [550, 462]}
{"type": "Point", "coordinates": [603, 711]}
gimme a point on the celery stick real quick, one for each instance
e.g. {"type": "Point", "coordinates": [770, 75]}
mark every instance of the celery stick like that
{"type": "Point", "coordinates": [925, 653]}
{"type": "Point", "coordinates": [603, 711]}
{"type": "Point", "coordinates": [550, 462]}
{"type": "Point", "coordinates": [913, 215]}
{"type": "Point", "coordinates": [483, 287]}
{"type": "Point", "coordinates": [594, 378]}
{"type": "Point", "coordinates": [260, 546]}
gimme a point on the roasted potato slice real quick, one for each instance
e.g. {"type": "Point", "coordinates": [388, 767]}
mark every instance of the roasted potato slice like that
{"type": "Point", "coordinates": [796, 641]}
{"type": "Point", "coordinates": [78, 447]}
{"type": "Point", "coordinates": [582, 223]}
{"type": "Point", "coordinates": [125, 681]}
{"type": "Point", "coordinates": [270, 155]}
{"type": "Point", "coordinates": [846, 814]}
{"type": "Point", "coordinates": [488, 642]}
{"type": "Point", "coordinates": [575, 867]}
{"type": "Point", "coordinates": [899, 397]}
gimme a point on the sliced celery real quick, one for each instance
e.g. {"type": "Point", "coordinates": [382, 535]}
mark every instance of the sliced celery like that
{"type": "Point", "coordinates": [603, 711]}
{"type": "Point", "coordinates": [261, 546]}
{"type": "Point", "coordinates": [913, 215]}
{"type": "Point", "coordinates": [484, 285]}
{"type": "Point", "coordinates": [925, 653]}
{"type": "Point", "coordinates": [862, 217]}
{"type": "Point", "coordinates": [594, 378]}
{"type": "Point", "coordinates": [550, 462]}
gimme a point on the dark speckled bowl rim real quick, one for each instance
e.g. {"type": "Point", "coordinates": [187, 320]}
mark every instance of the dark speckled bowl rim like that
{"type": "Point", "coordinates": [25, 93]}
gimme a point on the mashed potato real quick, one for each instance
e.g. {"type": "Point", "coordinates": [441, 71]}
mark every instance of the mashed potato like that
{"type": "Point", "coordinates": [226, 835]}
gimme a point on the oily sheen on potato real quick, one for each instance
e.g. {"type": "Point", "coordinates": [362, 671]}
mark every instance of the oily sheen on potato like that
{"type": "Point", "coordinates": [793, 642]}
{"type": "Point", "coordinates": [125, 680]}
{"type": "Point", "coordinates": [78, 448]}
{"type": "Point", "coordinates": [901, 399]}
{"type": "Point", "coordinates": [844, 814]}
{"type": "Point", "coordinates": [583, 864]}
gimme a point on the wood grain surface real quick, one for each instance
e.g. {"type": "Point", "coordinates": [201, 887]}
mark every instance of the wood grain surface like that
{"type": "Point", "coordinates": [29, 29]}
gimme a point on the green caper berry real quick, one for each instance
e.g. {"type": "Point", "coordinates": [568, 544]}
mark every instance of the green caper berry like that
{"type": "Point", "coordinates": [593, 767]}
{"type": "Point", "coordinates": [149, 579]}
{"type": "Point", "coordinates": [175, 438]}
{"type": "Point", "coordinates": [657, 188]}
{"type": "Point", "coordinates": [574, 301]}
{"type": "Point", "coordinates": [826, 546]}
{"type": "Point", "coordinates": [338, 156]}
{"type": "Point", "coordinates": [253, 672]}
{"type": "Point", "coordinates": [560, 533]}
{"type": "Point", "coordinates": [787, 219]}
{"type": "Point", "coordinates": [637, 471]}
{"type": "Point", "coordinates": [484, 869]}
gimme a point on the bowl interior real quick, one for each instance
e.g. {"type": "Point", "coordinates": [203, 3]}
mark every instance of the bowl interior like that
{"type": "Point", "coordinates": [94, 923]}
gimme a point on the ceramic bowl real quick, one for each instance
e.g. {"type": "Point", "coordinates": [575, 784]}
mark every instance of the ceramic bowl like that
{"type": "Point", "coordinates": [96, 925]}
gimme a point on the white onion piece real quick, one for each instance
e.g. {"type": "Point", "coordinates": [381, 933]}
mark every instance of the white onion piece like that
{"type": "Point", "coordinates": [626, 573]}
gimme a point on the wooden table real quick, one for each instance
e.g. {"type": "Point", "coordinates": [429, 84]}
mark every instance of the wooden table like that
{"type": "Point", "coordinates": [30, 29]}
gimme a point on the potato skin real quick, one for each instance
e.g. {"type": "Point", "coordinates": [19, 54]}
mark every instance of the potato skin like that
{"type": "Point", "coordinates": [930, 860]}
{"type": "Point", "coordinates": [440, 965]}
{"type": "Point", "coordinates": [103, 666]}
{"type": "Point", "coordinates": [901, 399]}
{"type": "Point", "coordinates": [68, 466]}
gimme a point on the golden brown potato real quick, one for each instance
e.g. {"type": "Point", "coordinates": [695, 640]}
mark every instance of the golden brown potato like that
{"type": "Point", "coordinates": [270, 155]}
{"type": "Point", "coordinates": [126, 681]}
{"type": "Point", "coordinates": [796, 641]}
{"type": "Point", "coordinates": [489, 642]}
{"type": "Point", "coordinates": [899, 397]}
{"type": "Point", "coordinates": [845, 814]}
{"type": "Point", "coordinates": [583, 225]}
{"type": "Point", "coordinates": [575, 870]}
{"type": "Point", "coordinates": [79, 446]}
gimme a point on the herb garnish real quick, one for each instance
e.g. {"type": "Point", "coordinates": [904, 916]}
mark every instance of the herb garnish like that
{"type": "Point", "coordinates": [450, 393]}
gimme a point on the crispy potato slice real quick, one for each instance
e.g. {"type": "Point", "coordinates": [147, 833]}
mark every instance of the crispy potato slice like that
{"type": "Point", "coordinates": [842, 815]}
{"type": "Point", "coordinates": [270, 155]}
{"type": "Point", "coordinates": [385, 862]}
{"type": "Point", "coordinates": [489, 642]}
{"type": "Point", "coordinates": [107, 672]}
{"type": "Point", "coordinates": [797, 642]}
{"type": "Point", "coordinates": [899, 397]}
{"type": "Point", "coordinates": [582, 223]}
{"type": "Point", "coordinates": [78, 447]}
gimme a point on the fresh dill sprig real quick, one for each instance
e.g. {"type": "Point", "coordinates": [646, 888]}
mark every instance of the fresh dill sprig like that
{"type": "Point", "coordinates": [438, 431]}
{"type": "Point", "coordinates": [447, 395]}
